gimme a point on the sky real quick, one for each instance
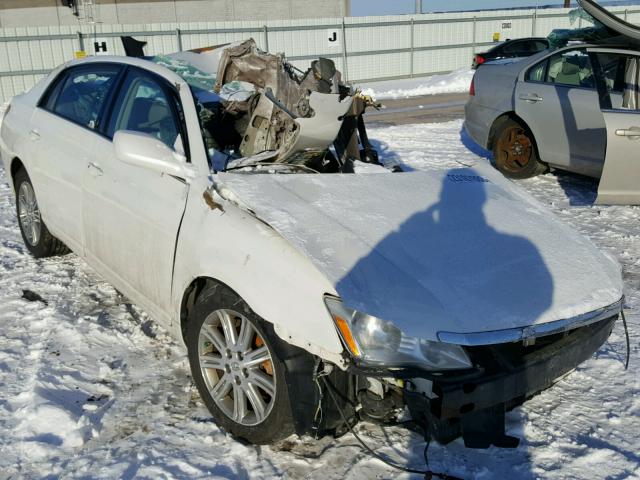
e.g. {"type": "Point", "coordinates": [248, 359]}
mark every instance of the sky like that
{"type": "Point", "coordinates": [388, 7]}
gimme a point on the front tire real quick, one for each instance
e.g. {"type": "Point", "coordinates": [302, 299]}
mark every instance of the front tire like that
{"type": "Point", "coordinates": [235, 366]}
{"type": "Point", "coordinates": [514, 151]}
{"type": "Point", "coordinates": [35, 234]}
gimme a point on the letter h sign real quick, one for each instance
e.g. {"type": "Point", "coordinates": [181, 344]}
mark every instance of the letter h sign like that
{"type": "Point", "coordinates": [100, 47]}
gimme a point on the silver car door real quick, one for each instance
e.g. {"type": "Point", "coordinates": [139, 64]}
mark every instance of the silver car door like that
{"type": "Point", "coordinates": [620, 181]}
{"type": "Point", "coordinates": [620, 74]}
{"type": "Point", "coordinates": [132, 215]}
{"type": "Point", "coordinates": [558, 100]}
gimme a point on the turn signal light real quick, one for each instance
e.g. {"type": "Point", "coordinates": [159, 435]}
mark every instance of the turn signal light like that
{"type": "Point", "coordinates": [347, 336]}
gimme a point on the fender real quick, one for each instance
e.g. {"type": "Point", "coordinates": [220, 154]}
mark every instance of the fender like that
{"type": "Point", "coordinates": [232, 246]}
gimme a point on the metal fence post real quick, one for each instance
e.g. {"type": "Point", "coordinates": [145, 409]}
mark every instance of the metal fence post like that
{"type": "Point", "coordinates": [473, 40]}
{"type": "Point", "coordinates": [534, 17]}
{"type": "Point", "coordinates": [265, 32]}
{"type": "Point", "coordinates": [412, 48]}
{"type": "Point", "coordinates": [80, 41]}
{"type": "Point", "coordinates": [344, 51]}
{"type": "Point", "coordinates": [179, 39]}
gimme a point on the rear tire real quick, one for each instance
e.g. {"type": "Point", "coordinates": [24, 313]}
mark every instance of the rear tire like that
{"type": "Point", "coordinates": [35, 234]}
{"type": "Point", "coordinates": [514, 151]}
{"type": "Point", "coordinates": [236, 368]}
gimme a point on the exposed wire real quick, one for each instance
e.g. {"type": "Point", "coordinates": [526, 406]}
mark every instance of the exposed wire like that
{"type": "Point", "coordinates": [626, 333]}
{"type": "Point", "coordinates": [318, 422]}
{"type": "Point", "coordinates": [425, 453]}
{"type": "Point", "coordinates": [428, 474]}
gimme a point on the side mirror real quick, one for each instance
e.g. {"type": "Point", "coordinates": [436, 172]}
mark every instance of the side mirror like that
{"type": "Point", "coordinates": [146, 151]}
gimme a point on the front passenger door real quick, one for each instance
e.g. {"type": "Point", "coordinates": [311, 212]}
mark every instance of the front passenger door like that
{"type": "Point", "coordinates": [132, 215]}
{"type": "Point", "coordinates": [620, 103]}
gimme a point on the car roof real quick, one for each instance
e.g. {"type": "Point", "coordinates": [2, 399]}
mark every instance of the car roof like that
{"type": "Point", "coordinates": [526, 39]}
{"type": "Point", "coordinates": [512, 40]}
{"type": "Point", "coordinates": [133, 61]}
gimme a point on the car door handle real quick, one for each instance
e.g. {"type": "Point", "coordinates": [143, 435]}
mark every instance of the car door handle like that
{"type": "Point", "coordinates": [530, 97]}
{"type": "Point", "coordinates": [34, 135]}
{"type": "Point", "coordinates": [631, 132]}
{"type": "Point", "coordinates": [94, 169]}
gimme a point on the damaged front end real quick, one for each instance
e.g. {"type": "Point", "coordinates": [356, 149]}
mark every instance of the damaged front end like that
{"type": "Point", "coordinates": [257, 109]}
{"type": "Point", "coordinates": [469, 403]}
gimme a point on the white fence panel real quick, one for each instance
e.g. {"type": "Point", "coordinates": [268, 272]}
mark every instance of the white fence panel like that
{"type": "Point", "coordinates": [632, 16]}
{"type": "Point", "coordinates": [363, 48]}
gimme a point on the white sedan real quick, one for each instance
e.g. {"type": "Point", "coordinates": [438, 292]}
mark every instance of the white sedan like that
{"type": "Point", "coordinates": [452, 293]}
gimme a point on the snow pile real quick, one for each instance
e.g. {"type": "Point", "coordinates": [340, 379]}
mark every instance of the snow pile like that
{"type": "Point", "coordinates": [454, 82]}
{"type": "Point", "coordinates": [90, 388]}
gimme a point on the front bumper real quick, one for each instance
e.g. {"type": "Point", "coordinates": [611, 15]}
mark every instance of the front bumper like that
{"type": "Point", "coordinates": [509, 374]}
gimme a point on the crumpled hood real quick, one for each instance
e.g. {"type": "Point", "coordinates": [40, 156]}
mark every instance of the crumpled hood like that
{"type": "Point", "coordinates": [462, 250]}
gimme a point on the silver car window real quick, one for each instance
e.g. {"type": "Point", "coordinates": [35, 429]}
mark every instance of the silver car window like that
{"type": "Point", "coordinates": [571, 68]}
{"type": "Point", "coordinates": [538, 72]}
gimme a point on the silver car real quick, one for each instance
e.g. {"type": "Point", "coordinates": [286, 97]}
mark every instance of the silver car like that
{"type": "Point", "coordinates": [575, 108]}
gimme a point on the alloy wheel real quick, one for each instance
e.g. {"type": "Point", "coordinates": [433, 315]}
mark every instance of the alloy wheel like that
{"type": "Point", "coordinates": [29, 214]}
{"type": "Point", "coordinates": [237, 367]}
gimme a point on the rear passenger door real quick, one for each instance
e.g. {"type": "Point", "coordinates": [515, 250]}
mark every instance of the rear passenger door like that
{"type": "Point", "coordinates": [63, 133]}
{"type": "Point", "coordinates": [132, 215]}
{"type": "Point", "coordinates": [558, 100]}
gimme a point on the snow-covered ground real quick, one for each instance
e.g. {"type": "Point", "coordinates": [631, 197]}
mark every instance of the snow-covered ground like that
{"type": "Point", "coordinates": [90, 388]}
{"type": "Point", "coordinates": [454, 82]}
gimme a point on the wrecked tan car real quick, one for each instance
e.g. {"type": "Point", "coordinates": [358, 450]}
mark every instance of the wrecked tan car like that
{"type": "Point", "coordinates": [574, 108]}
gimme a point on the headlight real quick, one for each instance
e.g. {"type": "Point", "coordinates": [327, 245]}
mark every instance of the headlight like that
{"type": "Point", "coordinates": [376, 342]}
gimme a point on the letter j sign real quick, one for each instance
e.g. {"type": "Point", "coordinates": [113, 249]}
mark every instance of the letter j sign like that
{"type": "Point", "coordinates": [333, 37]}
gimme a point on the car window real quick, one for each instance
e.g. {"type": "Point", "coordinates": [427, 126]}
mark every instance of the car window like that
{"type": "Point", "coordinates": [620, 79]}
{"type": "Point", "coordinates": [82, 94]}
{"type": "Point", "coordinates": [497, 50]}
{"type": "Point", "coordinates": [571, 68]}
{"type": "Point", "coordinates": [514, 47]}
{"type": "Point", "coordinates": [48, 100]}
{"type": "Point", "coordinates": [538, 46]}
{"type": "Point", "coordinates": [144, 107]}
{"type": "Point", "coordinates": [538, 72]}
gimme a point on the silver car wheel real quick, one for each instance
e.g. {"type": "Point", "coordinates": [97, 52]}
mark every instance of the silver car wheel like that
{"type": "Point", "coordinates": [29, 214]}
{"type": "Point", "coordinates": [237, 367]}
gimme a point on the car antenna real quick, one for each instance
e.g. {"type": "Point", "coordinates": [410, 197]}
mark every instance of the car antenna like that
{"type": "Point", "coordinates": [428, 474]}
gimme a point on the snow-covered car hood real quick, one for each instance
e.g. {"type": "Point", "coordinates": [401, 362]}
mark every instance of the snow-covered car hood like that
{"type": "Point", "coordinates": [460, 250]}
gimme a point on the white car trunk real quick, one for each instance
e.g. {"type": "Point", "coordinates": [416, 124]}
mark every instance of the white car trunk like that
{"type": "Point", "coordinates": [460, 251]}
